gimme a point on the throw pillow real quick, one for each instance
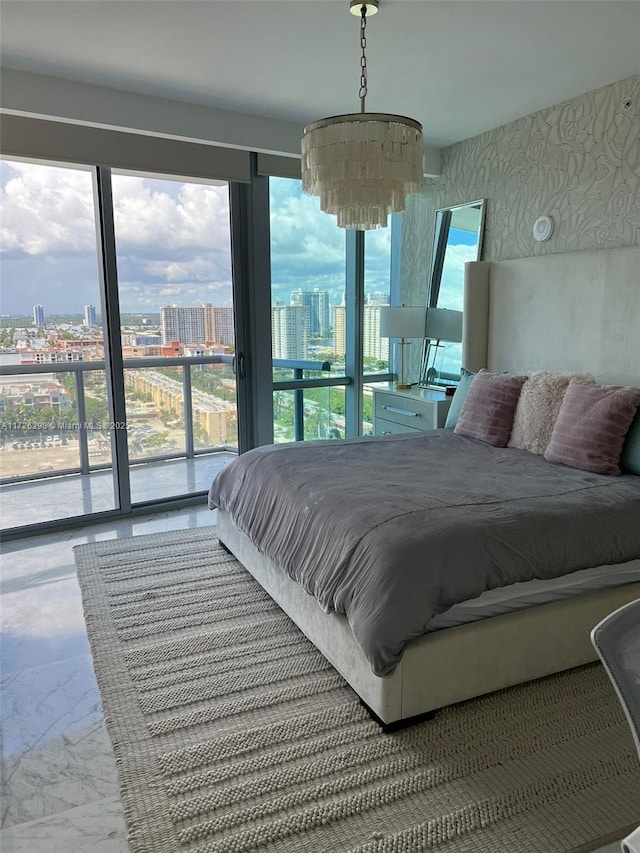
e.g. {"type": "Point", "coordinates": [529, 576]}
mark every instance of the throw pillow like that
{"type": "Point", "coordinates": [630, 459]}
{"type": "Point", "coordinates": [457, 400]}
{"type": "Point", "coordinates": [488, 409]}
{"type": "Point", "coordinates": [537, 409]}
{"type": "Point", "coordinates": [592, 425]}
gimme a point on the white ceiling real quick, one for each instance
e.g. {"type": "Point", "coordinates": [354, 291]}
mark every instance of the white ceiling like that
{"type": "Point", "coordinates": [459, 66]}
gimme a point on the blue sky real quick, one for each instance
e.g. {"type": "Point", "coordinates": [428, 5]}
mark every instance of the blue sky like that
{"type": "Point", "coordinates": [172, 240]}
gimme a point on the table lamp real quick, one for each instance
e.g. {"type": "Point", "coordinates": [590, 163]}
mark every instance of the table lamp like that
{"type": "Point", "coordinates": [402, 321]}
{"type": "Point", "coordinates": [442, 324]}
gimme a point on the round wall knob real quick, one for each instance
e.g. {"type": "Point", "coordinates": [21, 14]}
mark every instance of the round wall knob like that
{"type": "Point", "coordinates": [543, 228]}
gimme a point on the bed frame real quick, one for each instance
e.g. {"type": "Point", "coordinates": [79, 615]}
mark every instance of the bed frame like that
{"type": "Point", "coordinates": [446, 666]}
{"type": "Point", "coordinates": [521, 315]}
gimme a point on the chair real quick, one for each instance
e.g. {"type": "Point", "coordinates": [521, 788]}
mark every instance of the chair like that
{"type": "Point", "coordinates": [617, 641]}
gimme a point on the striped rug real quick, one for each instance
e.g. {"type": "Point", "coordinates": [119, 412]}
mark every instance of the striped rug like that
{"type": "Point", "coordinates": [232, 734]}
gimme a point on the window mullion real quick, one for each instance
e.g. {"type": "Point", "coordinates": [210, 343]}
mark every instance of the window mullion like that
{"type": "Point", "coordinates": [354, 364]}
{"type": "Point", "coordinates": [250, 246]}
{"type": "Point", "coordinates": [114, 368]}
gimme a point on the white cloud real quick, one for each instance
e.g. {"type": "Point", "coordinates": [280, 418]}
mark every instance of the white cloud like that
{"type": "Point", "coordinates": [199, 268]}
{"type": "Point", "coordinates": [47, 209]}
{"type": "Point", "coordinates": [170, 216]}
{"type": "Point", "coordinates": [170, 236]}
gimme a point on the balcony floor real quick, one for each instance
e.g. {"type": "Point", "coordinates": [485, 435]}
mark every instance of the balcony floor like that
{"type": "Point", "coordinates": [72, 495]}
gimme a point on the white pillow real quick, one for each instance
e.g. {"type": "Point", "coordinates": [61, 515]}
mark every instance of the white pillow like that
{"type": "Point", "coordinates": [538, 407]}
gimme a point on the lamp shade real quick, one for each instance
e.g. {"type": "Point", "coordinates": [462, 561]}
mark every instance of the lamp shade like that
{"type": "Point", "coordinates": [402, 321]}
{"type": "Point", "coordinates": [443, 324]}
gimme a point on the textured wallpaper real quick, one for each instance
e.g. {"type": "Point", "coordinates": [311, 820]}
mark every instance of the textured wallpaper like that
{"type": "Point", "coordinates": [578, 162]}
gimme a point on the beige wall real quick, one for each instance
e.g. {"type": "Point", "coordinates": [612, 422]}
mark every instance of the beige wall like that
{"type": "Point", "coordinates": [578, 162]}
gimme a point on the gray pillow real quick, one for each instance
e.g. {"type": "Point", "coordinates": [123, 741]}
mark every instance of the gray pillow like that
{"type": "Point", "coordinates": [630, 459]}
{"type": "Point", "coordinates": [458, 398]}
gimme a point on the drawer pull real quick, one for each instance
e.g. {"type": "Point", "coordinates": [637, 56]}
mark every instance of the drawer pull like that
{"type": "Point", "coordinates": [398, 411]}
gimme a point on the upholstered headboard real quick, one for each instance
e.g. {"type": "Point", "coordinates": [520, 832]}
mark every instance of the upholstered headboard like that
{"type": "Point", "coordinates": [567, 313]}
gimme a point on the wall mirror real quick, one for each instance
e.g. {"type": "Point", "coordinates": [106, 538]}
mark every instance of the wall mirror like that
{"type": "Point", "coordinates": [457, 239]}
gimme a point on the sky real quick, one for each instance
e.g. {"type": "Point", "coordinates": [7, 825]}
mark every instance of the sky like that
{"type": "Point", "coordinates": [172, 242]}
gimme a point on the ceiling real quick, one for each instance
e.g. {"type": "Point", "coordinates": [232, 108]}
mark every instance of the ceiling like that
{"type": "Point", "coordinates": [458, 66]}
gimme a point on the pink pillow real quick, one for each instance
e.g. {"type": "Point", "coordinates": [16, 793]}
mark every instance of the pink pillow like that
{"type": "Point", "coordinates": [592, 425]}
{"type": "Point", "coordinates": [488, 409]}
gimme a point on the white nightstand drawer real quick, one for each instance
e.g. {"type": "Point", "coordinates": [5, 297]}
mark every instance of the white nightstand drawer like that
{"type": "Point", "coordinates": [416, 409]}
{"type": "Point", "coordinates": [383, 427]}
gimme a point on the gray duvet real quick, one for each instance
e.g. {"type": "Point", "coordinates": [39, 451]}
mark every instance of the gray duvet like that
{"type": "Point", "coordinates": [393, 530]}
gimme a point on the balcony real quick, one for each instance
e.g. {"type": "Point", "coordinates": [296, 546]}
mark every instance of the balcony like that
{"type": "Point", "coordinates": [57, 447]}
{"type": "Point", "coordinates": [56, 464]}
{"type": "Point", "coordinates": [70, 495]}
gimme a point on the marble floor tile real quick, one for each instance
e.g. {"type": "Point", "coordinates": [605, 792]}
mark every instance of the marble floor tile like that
{"type": "Point", "coordinates": [42, 623]}
{"type": "Point", "coordinates": [98, 827]}
{"type": "Point", "coordinates": [58, 774]}
{"type": "Point", "coordinates": [42, 703]}
{"type": "Point", "coordinates": [56, 754]}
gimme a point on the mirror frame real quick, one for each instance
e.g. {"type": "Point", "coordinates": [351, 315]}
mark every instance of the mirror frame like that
{"type": "Point", "coordinates": [443, 217]}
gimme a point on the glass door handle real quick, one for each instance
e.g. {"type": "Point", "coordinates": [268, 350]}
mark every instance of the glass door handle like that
{"type": "Point", "coordinates": [240, 366]}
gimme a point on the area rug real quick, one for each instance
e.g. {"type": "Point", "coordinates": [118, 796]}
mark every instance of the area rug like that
{"type": "Point", "coordinates": [233, 734]}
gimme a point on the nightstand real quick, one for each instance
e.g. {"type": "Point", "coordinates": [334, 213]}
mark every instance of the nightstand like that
{"type": "Point", "coordinates": [416, 409]}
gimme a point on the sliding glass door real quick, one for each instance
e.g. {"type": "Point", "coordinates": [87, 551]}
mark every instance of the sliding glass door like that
{"type": "Point", "coordinates": [54, 412]}
{"type": "Point", "coordinates": [173, 259]}
{"type": "Point", "coordinates": [117, 363]}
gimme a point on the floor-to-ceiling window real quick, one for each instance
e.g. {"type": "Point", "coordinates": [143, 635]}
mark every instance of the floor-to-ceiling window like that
{"type": "Point", "coordinates": [122, 286]}
{"type": "Point", "coordinates": [54, 412]}
{"type": "Point", "coordinates": [164, 280]}
{"type": "Point", "coordinates": [173, 259]}
{"type": "Point", "coordinates": [308, 315]}
{"type": "Point", "coordinates": [312, 317]}
{"type": "Point", "coordinates": [380, 289]}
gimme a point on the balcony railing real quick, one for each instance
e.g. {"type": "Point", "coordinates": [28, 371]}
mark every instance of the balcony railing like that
{"type": "Point", "coordinates": [81, 428]}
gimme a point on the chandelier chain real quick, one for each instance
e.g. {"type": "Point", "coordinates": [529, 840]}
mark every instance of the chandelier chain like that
{"type": "Point", "coordinates": [363, 59]}
{"type": "Point", "coordinates": [362, 165]}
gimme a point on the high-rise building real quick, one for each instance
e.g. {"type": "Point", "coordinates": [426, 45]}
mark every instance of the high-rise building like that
{"type": "Point", "coordinates": [89, 315]}
{"type": "Point", "coordinates": [373, 346]}
{"type": "Point", "coordinates": [223, 331]}
{"type": "Point", "coordinates": [290, 331]}
{"type": "Point", "coordinates": [339, 329]}
{"type": "Point", "coordinates": [197, 324]}
{"type": "Point", "coordinates": [378, 298]}
{"type": "Point", "coordinates": [317, 301]}
{"type": "Point", "coordinates": [183, 324]}
{"type": "Point", "coordinates": [38, 315]}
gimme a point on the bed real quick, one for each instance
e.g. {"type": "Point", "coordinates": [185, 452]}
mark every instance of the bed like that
{"type": "Point", "coordinates": [516, 613]}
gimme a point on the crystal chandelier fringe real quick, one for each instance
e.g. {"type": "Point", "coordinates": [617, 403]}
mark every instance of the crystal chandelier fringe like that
{"type": "Point", "coordinates": [363, 167]}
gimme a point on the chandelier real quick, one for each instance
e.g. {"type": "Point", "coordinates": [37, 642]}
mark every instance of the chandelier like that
{"type": "Point", "coordinates": [362, 165]}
